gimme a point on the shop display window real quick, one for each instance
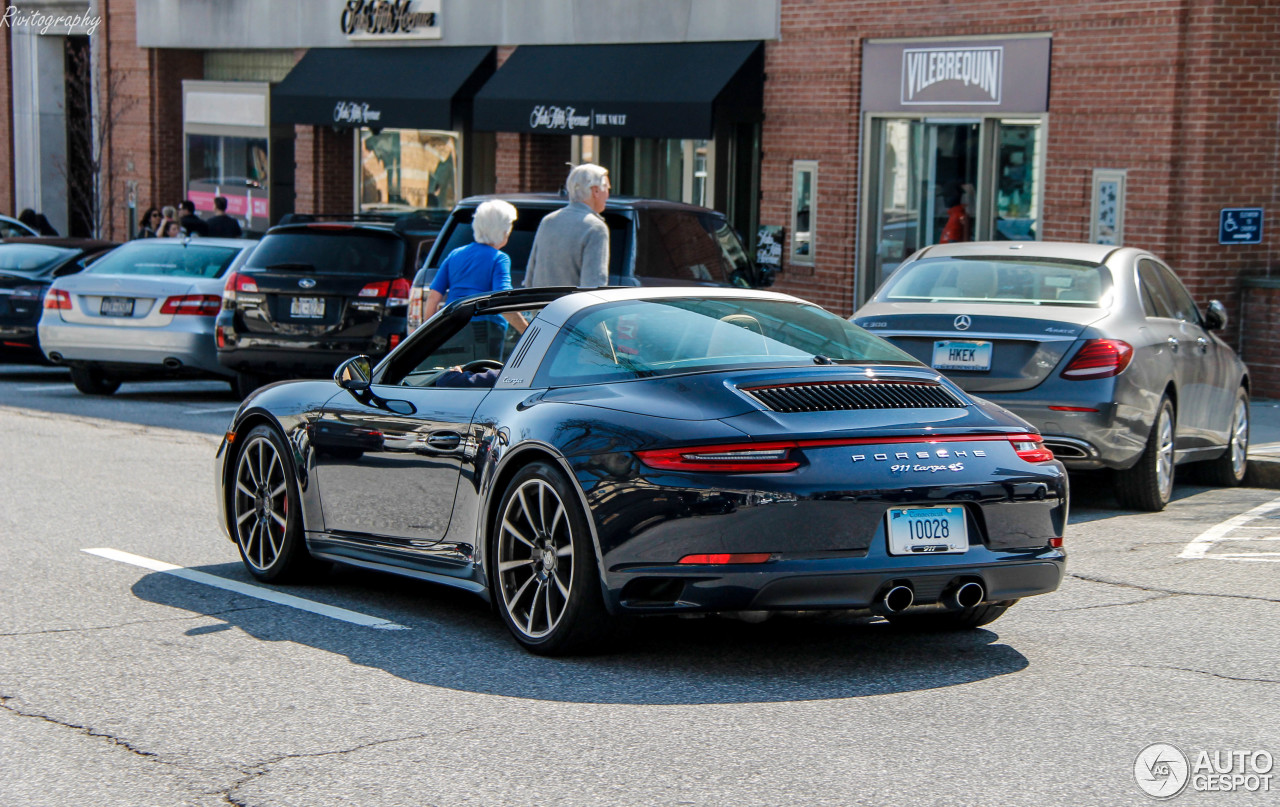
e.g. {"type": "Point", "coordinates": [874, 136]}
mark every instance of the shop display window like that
{"type": "Point", "coordinates": [804, 192]}
{"type": "Point", "coordinates": [408, 169]}
{"type": "Point", "coordinates": [234, 167]}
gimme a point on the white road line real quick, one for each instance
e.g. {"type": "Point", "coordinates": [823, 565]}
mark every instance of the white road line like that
{"type": "Point", "coordinates": [247, 589]}
{"type": "Point", "coordinates": [45, 387]}
{"type": "Point", "coordinates": [211, 411]}
{"type": "Point", "coordinates": [1199, 548]}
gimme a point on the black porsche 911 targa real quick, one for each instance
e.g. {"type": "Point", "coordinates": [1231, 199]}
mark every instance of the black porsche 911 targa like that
{"type": "Point", "coordinates": [574, 454]}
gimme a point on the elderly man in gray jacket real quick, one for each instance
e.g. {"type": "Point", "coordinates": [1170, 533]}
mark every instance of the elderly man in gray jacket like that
{"type": "Point", "coordinates": [571, 247]}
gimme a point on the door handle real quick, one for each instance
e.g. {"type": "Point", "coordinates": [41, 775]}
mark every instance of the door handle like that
{"type": "Point", "coordinates": [1173, 344]}
{"type": "Point", "coordinates": [1203, 344]}
{"type": "Point", "coordinates": [444, 441]}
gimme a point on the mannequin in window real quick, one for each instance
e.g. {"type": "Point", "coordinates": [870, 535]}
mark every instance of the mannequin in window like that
{"type": "Point", "coordinates": [959, 226]}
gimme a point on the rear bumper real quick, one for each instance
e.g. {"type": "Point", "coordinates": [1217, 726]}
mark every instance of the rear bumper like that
{"type": "Point", "coordinates": [189, 340]}
{"type": "Point", "coordinates": [1112, 437]}
{"type": "Point", "coordinates": [833, 583]}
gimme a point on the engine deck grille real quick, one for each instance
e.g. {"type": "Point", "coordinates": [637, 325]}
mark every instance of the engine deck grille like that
{"type": "Point", "coordinates": [831, 396]}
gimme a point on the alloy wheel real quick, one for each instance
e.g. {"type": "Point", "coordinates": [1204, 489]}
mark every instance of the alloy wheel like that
{"type": "Point", "coordinates": [535, 558]}
{"type": "Point", "coordinates": [1164, 457]}
{"type": "Point", "coordinates": [1239, 437]}
{"type": "Point", "coordinates": [261, 503]}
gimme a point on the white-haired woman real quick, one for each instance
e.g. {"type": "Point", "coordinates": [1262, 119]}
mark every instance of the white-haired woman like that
{"type": "Point", "coordinates": [477, 268]}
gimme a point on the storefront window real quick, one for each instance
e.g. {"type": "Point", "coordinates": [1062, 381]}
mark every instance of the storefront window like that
{"type": "Point", "coordinates": [408, 169]}
{"type": "Point", "coordinates": [234, 167]}
{"type": "Point", "coordinates": [804, 189]}
{"type": "Point", "coordinates": [933, 181]}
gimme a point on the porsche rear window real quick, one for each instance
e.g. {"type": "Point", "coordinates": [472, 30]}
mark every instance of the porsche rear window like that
{"type": "Point", "coordinates": [1026, 281]}
{"type": "Point", "coordinates": [168, 259]}
{"type": "Point", "coordinates": [639, 339]}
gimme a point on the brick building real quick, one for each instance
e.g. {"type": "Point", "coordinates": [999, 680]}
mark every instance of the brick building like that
{"type": "Point", "coordinates": [846, 128]}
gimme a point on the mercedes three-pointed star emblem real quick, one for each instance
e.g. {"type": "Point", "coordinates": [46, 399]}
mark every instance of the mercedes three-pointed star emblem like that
{"type": "Point", "coordinates": [963, 322]}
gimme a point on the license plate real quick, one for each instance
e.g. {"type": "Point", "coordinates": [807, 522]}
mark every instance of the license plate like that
{"type": "Point", "coordinates": [927, 531]}
{"type": "Point", "coordinates": [311, 307]}
{"type": "Point", "coordinates": [952, 355]}
{"type": "Point", "coordinates": [116, 307]}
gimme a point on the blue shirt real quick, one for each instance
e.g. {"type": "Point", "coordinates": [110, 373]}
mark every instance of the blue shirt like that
{"type": "Point", "coordinates": [474, 269]}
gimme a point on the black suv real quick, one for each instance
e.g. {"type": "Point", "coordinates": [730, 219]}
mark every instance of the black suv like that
{"type": "Point", "coordinates": [316, 292]}
{"type": "Point", "coordinates": [652, 242]}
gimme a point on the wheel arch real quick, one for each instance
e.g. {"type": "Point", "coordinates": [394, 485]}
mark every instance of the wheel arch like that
{"type": "Point", "coordinates": [517, 458]}
{"type": "Point", "coordinates": [243, 426]}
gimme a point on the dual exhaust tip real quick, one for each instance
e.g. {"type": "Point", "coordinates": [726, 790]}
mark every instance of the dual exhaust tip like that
{"type": "Point", "coordinates": [900, 597]}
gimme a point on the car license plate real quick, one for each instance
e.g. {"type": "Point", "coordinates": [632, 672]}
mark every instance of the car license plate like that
{"type": "Point", "coordinates": [952, 355]}
{"type": "Point", "coordinates": [928, 530]}
{"type": "Point", "coordinates": [309, 307]}
{"type": "Point", "coordinates": [116, 307]}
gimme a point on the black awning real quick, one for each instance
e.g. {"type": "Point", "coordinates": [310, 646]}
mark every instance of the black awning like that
{"type": "Point", "coordinates": [390, 88]}
{"type": "Point", "coordinates": [671, 90]}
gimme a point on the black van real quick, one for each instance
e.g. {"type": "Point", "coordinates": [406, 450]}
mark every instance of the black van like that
{"type": "Point", "coordinates": [652, 242]}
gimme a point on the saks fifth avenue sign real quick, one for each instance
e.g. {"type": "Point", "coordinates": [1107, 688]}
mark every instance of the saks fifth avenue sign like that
{"type": "Point", "coordinates": [356, 113]}
{"type": "Point", "coordinates": [952, 75]}
{"type": "Point", "coordinates": [391, 19]}
{"type": "Point", "coordinates": [993, 75]}
{"type": "Point", "coordinates": [568, 119]}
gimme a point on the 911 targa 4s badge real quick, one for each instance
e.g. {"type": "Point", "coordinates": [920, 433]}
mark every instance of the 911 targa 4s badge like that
{"type": "Point", "coordinates": [631, 451]}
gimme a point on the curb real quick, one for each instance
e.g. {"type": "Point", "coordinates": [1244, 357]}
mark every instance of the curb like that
{"type": "Point", "coordinates": [1263, 472]}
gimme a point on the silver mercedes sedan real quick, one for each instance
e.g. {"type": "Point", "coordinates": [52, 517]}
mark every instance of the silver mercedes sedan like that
{"type": "Point", "coordinates": [1102, 348]}
{"type": "Point", "coordinates": [146, 310]}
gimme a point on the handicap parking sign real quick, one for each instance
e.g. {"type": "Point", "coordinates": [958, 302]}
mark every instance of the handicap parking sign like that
{"type": "Point", "coordinates": [1240, 225]}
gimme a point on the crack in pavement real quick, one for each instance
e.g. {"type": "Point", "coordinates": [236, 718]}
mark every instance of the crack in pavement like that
{"type": "Point", "coordinates": [138, 622]}
{"type": "Point", "coordinates": [1161, 596]}
{"type": "Point", "coordinates": [114, 740]}
{"type": "Point", "coordinates": [1204, 672]}
{"type": "Point", "coordinates": [1169, 591]}
{"type": "Point", "coordinates": [259, 769]}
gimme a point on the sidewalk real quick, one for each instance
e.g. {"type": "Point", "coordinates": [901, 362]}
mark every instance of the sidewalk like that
{"type": "Point", "coordinates": [1264, 444]}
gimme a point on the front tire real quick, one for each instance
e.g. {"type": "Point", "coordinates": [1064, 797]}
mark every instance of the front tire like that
{"type": "Point", "coordinates": [93, 380]}
{"type": "Point", "coordinates": [1148, 485]}
{"type": "Point", "coordinates": [1228, 470]}
{"type": "Point", "coordinates": [265, 511]}
{"type": "Point", "coordinates": [544, 574]}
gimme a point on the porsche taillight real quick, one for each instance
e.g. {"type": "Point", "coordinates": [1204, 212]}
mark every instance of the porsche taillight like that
{"type": "Point", "coordinates": [728, 459]}
{"type": "Point", "coordinates": [1030, 447]}
{"type": "Point", "coordinates": [1099, 358]}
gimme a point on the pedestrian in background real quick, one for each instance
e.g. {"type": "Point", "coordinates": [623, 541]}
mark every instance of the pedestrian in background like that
{"type": "Point", "coordinates": [222, 225]}
{"type": "Point", "coordinates": [37, 222]}
{"type": "Point", "coordinates": [190, 223]}
{"type": "Point", "coordinates": [477, 268]}
{"type": "Point", "coordinates": [151, 221]}
{"type": "Point", "coordinates": [571, 247]}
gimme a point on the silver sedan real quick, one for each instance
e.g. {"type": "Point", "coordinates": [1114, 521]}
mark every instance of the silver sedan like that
{"type": "Point", "coordinates": [145, 310]}
{"type": "Point", "coordinates": [1100, 347]}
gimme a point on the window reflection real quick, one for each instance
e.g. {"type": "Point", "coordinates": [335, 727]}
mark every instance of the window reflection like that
{"type": "Point", "coordinates": [408, 169]}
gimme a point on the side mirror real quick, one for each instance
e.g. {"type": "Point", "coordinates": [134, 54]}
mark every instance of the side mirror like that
{"type": "Point", "coordinates": [1215, 318]}
{"type": "Point", "coordinates": [353, 374]}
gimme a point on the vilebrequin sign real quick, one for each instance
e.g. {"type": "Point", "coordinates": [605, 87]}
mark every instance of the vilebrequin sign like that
{"type": "Point", "coordinates": [994, 75]}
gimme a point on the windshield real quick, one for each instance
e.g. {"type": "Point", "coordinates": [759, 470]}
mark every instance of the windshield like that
{"type": "Point", "coordinates": [335, 252]}
{"type": "Point", "coordinates": [30, 259]}
{"type": "Point", "coordinates": [170, 259]}
{"type": "Point", "coordinates": [1035, 281]}
{"type": "Point", "coordinates": [638, 339]}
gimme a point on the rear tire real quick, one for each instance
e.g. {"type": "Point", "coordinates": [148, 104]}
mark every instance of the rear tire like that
{"type": "Point", "coordinates": [265, 513]}
{"type": "Point", "coordinates": [93, 380]}
{"type": "Point", "coordinates": [1228, 470]}
{"type": "Point", "coordinates": [543, 570]}
{"type": "Point", "coordinates": [1148, 485]}
{"type": "Point", "coordinates": [967, 619]}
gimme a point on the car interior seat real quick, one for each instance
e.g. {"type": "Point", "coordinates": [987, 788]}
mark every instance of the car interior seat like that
{"type": "Point", "coordinates": [1085, 287]}
{"type": "Point", "coordinates": [728, 339]}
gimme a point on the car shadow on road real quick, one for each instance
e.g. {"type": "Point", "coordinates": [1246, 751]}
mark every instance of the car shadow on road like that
{"type": "Point", "coordinates": [455, 641]}
{"type": "Point", "coordinates": [1093, 494]}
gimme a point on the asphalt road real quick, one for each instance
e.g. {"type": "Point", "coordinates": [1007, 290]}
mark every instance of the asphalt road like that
{"type": "Point", "coordinates": [120, 685]}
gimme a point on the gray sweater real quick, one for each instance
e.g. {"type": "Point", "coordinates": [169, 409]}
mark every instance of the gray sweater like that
{"type": "Point", "coordinates": [571, 248]}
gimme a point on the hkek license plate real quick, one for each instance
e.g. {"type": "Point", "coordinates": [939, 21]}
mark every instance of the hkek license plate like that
{"type": "Point", "coordinates": [953, 355]}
